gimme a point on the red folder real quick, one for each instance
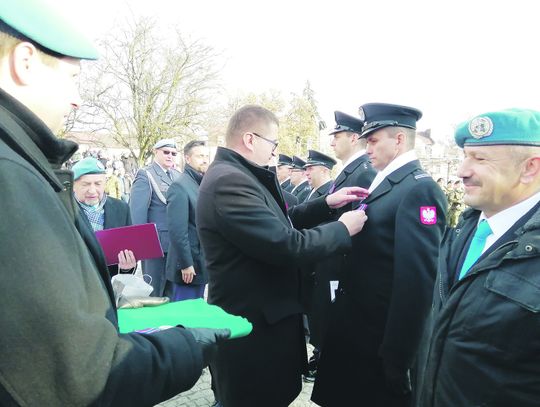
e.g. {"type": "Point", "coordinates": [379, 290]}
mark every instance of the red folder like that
{"type": "Point", "coordinates": [142, 240]}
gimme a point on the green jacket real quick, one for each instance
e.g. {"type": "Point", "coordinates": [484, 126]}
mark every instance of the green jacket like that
{"type": "Point", "coordinates": [60, 344]}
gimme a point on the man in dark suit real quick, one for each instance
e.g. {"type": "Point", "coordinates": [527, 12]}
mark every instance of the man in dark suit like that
{"type": "Point", "coordinates": [301, 188]}
{"type": "Point", "coordinates": [284, 167]}
{"type": "Point", "coordinates": [148, 204]}
{"type": "Point", "coordinates": [385, 293]}
{"type": "Point", "coordinates": [186, 269]}
{"type": "Point", "coordinates": [253, 254]}
{"type": "Point", "coordinates": [101, 211]}
{"type": "Point", "coordinates": [482, 342]}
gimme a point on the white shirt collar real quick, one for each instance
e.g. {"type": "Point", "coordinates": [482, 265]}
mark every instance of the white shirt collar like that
{"type": "Point", "coordinates": [350, 160]}
{"type": "Point", "coordinates": [501, 222]}
{"type": "Point", "coordinates": [395, 164]}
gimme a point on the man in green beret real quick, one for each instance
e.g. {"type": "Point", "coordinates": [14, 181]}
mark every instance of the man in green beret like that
{"type": "Point", "coordinates": [482, 345]}
{"type": "Point", "coordinates": [60, 344]}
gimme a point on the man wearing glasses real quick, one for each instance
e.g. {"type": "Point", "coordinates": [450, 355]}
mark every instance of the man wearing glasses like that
{"type": "Point", "coordinates": [253, 255]}
{"type": "Point", "coordinates": [148, 204]}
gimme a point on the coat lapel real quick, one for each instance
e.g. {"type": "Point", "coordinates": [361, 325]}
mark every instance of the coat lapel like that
{"type": "Point", "coordinates": [391, 179]}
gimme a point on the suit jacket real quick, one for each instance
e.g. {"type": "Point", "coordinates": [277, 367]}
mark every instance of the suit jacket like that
{"type": "Point", "coordinates": [75, 324]}
{"type": "Point", "coordinates": [253, 254]}
{"type": "Point", "coordinates": [116, 215]}
{"type": "Point", "coordinates": [184, 247]}
{"type": "Point", "coordinates": [301, 191]}
{"type": "Point", "coordinates": [145, 205]}
{"type": "Point", "coordinates": [385, 293]}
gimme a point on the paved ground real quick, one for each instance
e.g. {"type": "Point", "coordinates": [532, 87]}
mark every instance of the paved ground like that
{"type": "Point", "coordinates": [201, 395]}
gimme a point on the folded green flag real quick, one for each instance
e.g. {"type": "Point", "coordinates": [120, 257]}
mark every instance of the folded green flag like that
{"type": "Point", "coordinates": [189, 313]}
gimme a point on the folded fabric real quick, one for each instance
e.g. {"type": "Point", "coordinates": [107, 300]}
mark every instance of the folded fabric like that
{"type": "Point", "coordinates": [139, 302]}
{"type": "Point", "coordinates": [189, 313]}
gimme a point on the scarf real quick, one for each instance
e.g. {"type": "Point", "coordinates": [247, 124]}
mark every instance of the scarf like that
{"type": "Point", "coordinates": [95, 214]}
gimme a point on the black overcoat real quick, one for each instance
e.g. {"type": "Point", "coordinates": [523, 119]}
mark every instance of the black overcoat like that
{"type": "Point", "coordinates": [253, 254]}
{"type": "Point", "coordinates": [385, 294]}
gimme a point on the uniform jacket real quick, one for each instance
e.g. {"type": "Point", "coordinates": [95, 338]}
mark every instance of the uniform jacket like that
{"type": "Point", "coordinates": [482, 343]}
{"type": "Point", "coordinates": [60, 344]}
{"type": "Point", "coordinates": [286, 185]}
{"type": "Point", "coordinates": [301, 191]}
{"type": "Point", "coordinates": [184, 247]}
{"type": "Point", "coordinates": [145, 205]}
{"type": "Point", "coordinates": [321, 191]}
{"type": "Point", "coordinates": [253, 254]}
{"type": "Point", "coordinates": [385, 294]}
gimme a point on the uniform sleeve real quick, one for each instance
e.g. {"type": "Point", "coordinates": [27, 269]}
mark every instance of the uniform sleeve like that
{"type": "Point", "coordinates": [60, 345]}
{"type": "Point", "coordinates": [139, 202]}
{"type": "Point", "coordinates": [178, 222]}
{"type": "Point", "coordinates": [416, 254]}
{"type": "Point", "coordinates": [249, 223]}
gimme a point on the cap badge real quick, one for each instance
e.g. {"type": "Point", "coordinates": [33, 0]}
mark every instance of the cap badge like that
{"type": "Point", "coordinates": [100, 165]}
{"type": "Point", "coordinates": [428, 215]}
{"type": "Point", "coordinates": [361, 113]}
{"type": "Point", "coordinates": [480, 127]}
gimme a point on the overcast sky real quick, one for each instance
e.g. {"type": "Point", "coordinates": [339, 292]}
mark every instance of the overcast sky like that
{"type": "Point", "coordinates": [451, 59]}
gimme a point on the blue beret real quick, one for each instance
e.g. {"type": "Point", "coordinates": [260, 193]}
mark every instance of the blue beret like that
{"type": "Point", "coordinates": [345, 122]}
{"type": "Point", "coordinates": [42, 24]}
{"type": "Point", "coordinates": [166, 142]}
{"type": "Point", "coordinates": [316, 158]}
{"type": "Point", "coordinates": [380, 115]}
{"type": "Point", "coordinates": [284, 160]}
{"type": "Point", "coordinates": [297, 163]}
{"type": "Point", "coordinates": [88, 165]}
{"type": "Point", "coordinates": [505, 127]}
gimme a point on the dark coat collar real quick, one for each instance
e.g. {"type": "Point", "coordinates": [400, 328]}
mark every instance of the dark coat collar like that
{"type": "Point", "coordinates": [394, 178]}
{"type": "Point", "coordinates": [32, 139]}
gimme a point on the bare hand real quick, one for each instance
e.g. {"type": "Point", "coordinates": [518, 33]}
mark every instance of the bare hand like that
{"type": "Point", "coordinates": [126, 260]}
{"type": "Point", "coordinates": [353, 221]}
{"type": "Point", "coordinates": [188, 274]}
{"type": "Point", "coordinates": [346, 195]}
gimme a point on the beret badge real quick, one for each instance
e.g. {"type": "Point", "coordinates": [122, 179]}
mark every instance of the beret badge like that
{"type": "Point", "coordinates": [480, 127]}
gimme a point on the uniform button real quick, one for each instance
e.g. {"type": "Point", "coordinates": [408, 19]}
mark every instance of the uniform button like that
{"type": "Point", "coordinates": [528, 248]}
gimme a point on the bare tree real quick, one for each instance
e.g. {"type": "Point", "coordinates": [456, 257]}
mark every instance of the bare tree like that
{"type": "Point", "coordinates": [147, 85]}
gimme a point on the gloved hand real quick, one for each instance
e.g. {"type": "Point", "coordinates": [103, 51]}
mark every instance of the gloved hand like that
{"type": "Point", "coordinates": [208, 338]}
{"type": "Point", "coordinates": [398, 379]}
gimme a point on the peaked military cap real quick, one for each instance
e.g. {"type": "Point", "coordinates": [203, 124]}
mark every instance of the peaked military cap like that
{"type": "Point", "coordinates": [316, 158]}
{"type": "Point", "coordinates": [88, 165]}
{"type": "Point", "coordinates": [165, 142]}
{"type": "Point", "coordinates": [297, 163]}
{"type": "Point", "coordinates": [284, 160]}
{"type": "Point", "coordinates": [37, 21]}
{"type": "Point", "coordinates": [380, 115]}
{"type": "Point", "coordinates": [505, 127]}
{"type": "Point", "coordinates": [345, 122]}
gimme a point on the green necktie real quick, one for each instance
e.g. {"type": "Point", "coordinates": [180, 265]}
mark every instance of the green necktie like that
{"type": "Point", "coordinates": [477, 245]}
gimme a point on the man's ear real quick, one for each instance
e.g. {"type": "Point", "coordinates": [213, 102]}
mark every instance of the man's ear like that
{"type": "Point", "coordinates": [24, 59]}
{"type": "Point", "coordinates": [247, 140]}
{"type": "Point", "coordinates": [531, 170]}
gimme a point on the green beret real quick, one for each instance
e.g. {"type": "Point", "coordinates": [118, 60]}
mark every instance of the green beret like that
{"type": "Point", "coordinates": [88, 165]}
{"type": "Point", "coordinates": [42, 24]}
{"type": "Point", "coordinates": [505, 127]}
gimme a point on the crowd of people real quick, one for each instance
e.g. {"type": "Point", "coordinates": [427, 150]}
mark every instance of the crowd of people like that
{"type": "Point", "coordinates": [408, 298]}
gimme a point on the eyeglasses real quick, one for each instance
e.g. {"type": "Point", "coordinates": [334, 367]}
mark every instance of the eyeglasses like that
{"type": "Point", "coordinates": [273, 142]}
{"type": "Point", "coordinates": [167, 152]}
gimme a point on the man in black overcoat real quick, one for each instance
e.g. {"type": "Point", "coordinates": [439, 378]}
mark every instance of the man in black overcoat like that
{"type": "Point", "coordinates": [253, 254]}
{"type": "Point", "coordinates": [385, 294]}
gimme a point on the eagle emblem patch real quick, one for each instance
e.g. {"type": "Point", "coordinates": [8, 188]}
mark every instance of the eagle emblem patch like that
{"type": "Point", "coordinates": [428, 215]}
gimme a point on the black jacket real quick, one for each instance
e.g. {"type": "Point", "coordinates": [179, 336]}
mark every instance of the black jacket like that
{"type": "Point", "coordinates": [184, 247]}
{"type": "Point", "coordinates": [60, 344]}
{"type": "Point", "coordinates": [385, 293]}
{"type": "Point", "coordinates": [482, 342]}
{"type": "Point", "coordinates": [253, 254]}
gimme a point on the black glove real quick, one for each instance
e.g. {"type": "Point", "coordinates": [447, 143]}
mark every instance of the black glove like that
{"type": "Point", "coordinates": [398, 379]}
{"type": "Point", "coordinates": [208, 338]}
